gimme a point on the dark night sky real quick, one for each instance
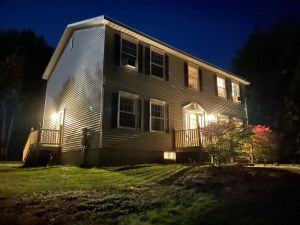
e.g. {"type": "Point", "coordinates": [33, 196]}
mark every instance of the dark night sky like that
{"type": "Point", "coordinates": [211, 30]}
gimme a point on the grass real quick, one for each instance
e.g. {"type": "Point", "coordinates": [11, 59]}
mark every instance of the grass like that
{"type": "Point", "coordinates": [149, 194]}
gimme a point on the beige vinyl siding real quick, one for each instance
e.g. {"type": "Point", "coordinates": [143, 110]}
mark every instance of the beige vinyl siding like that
{"type": "Point", "coordinates": [76, 85]}
{"type": "Point", "coordinates": [172, 91]}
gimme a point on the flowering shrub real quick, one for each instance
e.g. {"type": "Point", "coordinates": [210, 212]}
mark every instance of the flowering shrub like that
{"type": "Point", "coordinates": [265, 145]}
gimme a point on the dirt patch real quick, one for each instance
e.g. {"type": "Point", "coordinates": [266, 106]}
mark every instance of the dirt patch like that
{"type": "Point", "coordinates": [75, 207]}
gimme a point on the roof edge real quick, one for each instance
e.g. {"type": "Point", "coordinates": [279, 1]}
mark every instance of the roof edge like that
{"type": "Point", "coordinates": [104, 20]}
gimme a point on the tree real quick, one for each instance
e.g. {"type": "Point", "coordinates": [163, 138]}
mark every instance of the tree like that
{"type": "Point", "coordinates": [225, 142]}
{"type": "Point", "coordinates": [270, 59]}
{"type": "Point", "coordinates": [23, 58]}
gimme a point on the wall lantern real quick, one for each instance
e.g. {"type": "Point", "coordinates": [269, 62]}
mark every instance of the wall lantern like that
{"type": "Point", "coordinates": [54, 117]}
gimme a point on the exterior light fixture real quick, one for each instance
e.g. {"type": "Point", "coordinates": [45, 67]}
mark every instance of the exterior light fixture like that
{"type": "Point", "coordinates": [54, 117]}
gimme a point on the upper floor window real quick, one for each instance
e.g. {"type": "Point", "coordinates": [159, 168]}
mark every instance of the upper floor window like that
{"type": "Point", "coordinates": [221, 87]}
{"type": "Point", "coordinates": [129, 53]}
{"type": "Point", "coordinates": [193, 77]}
{"type": "Point", "coordinates": [157, 63]}
{"type": "Point", "coordinates": [157, 115]}
{"type": "Point", "coordinates": [235, 92]}
{"type": "Point", "coordinates": [127, 110]}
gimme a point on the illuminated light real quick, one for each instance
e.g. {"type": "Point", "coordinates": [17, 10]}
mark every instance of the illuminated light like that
{"type": "Point", "coordinates": [130, 66]}
{"type": "Point", "coordinates": [54, 117]}
{"type": "Point", "coordinates": [211, 118]}
{"type": "Point", "coordinates": [170, 155]}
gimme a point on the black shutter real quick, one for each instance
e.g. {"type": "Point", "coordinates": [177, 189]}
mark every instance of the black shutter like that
{"type": "Point", "coordinates": [117, 49]}
{"type": "Point", "coordinates": [147, 60]}
{"type": "Point", "coordinates": [139, 110]}
{"type": "Point", "coordinates": [167, 128]}
{"type": "Point", "coordinates": [114, 109]}
{"type": "Point", "coordinates": [146, 115]}
{"type": "Point", "coordinates": [228, 89]}
{"type": "Point", "coordinates": [216, 84]}
{"type": "Point", "coordinates": [166, 67]}
{"type": "Point", "coordinates": [200, 79]}
{"type": "Point", "coordinates": [242, 94]}
{"type": "Point", "coordinates": [186, 75]}
{"type": "Point", "coordinates": [140, 58]}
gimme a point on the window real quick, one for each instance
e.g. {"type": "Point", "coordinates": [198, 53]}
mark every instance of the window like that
{"type": "Point", "coordinates": [157, 115]}
{"type": "Point", "coordinates": [129, 53]}
{"type": "Point", "coordinates": [221, 87]}
{"type": "Point", "coordinates": [193, 77]}
{"type": "Point", "coordinates": [223, 119]}
{"type": "Point", "coordinates": [235, 92]}
{"type": "Point", "coordinates": [170, 155]}
{"type": "Point", "coordinates": [127, 110]}
{"type": "Point", "coordinates": [237, 122]}
{"type": "Point", "coordinates": [157, 64]}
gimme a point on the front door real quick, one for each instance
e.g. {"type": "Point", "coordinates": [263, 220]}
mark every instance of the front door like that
{"type": "Point", "coordinates": [193, 121]}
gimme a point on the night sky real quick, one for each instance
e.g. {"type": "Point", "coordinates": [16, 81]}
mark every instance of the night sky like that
{"type": "Point", "coordinates": [211, 30]}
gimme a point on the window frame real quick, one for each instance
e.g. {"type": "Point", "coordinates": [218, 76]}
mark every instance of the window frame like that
{"type": "Point", "coordinates": [160, 52]}
{"type": "Point", "coordinates": [134, 41]}
{"type": "Point", "coordinates": [223, 88]}
{"type": "Point", "coordinates": [160, 103]}
{"type": "Point", "coordinates": [133, 97]}
{"type": "Point", "coordinates": [237, 100]}
{"type": "Point", "coordinates": [196, 67]}
{"type": "Point", "coordinates": [223, 117]}
{"type": "Point", "coordinates": [235, 120]}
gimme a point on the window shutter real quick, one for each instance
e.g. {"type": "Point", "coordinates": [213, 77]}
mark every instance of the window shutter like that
{"type": "Point", "coordinates": [167, 123]}
{"type": "Point", "coordinates": [228, 89]}
{"type": "Point", "coordinates": [114, 109]}
{"type": "Point", "coordinates": [146, 115]}
{"type": "Point", "coordinates": [139, 113]}
{"type": "Point", "coordinates": [147, 60]}
{"type": "Point", "coordinates": [242, 94]}
{"type": "Point", "coordinates": [140, 58]}
{"type": "Point", "coordinates": [117, 49]}
{"type": "Point", "coordinates": [200, 79]}
{"type": "Point", "coordinates": [166, 67]}
{"type": "Point", "coordinates": [186, 76]}
{"type": "Point", "coordinates": [216, 85]}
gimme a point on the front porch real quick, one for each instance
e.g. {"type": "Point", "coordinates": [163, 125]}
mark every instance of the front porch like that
{"type": "Point", "coordinates": [193, 139]}
{"type": "Point", "coordinates": [42, 146]}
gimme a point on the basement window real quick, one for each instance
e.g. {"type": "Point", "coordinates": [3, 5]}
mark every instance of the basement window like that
{"type": "Point", "coordinates": [170, 155]}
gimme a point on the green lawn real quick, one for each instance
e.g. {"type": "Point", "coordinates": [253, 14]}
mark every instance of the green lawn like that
{"type": "Point", "coordinates": [149, 194]}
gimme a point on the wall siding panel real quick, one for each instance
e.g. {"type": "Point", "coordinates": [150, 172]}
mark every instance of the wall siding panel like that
{"type": "Point", "coordinates": [172, 91]}
{"type": "Point", "coordinates": [76, 85]}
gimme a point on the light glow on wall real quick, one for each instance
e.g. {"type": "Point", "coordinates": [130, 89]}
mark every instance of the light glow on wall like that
{"type": "Point", "coordinates": [211, 118]}
{"type": "Point", "coordinates": [54, 117]}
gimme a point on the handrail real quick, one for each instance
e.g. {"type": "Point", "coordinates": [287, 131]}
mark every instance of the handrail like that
{"type": "Point", "coordinates": [31, 140]}
{"type": "Point", "coordinates": [198, 137]}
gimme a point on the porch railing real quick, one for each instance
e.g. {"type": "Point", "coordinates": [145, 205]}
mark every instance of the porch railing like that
{"type": "Point", "coordinates": [198, 137]}
{"type": "Point", "coordinates": [42, 137]}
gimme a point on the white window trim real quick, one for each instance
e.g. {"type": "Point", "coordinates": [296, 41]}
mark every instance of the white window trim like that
{"type": "Point", "coordinates": [161, 52]}
{"type": "Point", "coordinates": [161, 103]}
{"type": "Point", "coordinates": [195, 66]}
{"type": "Point", "coordinates": [239, 96]}
{"type": "Point", "coordinates": [225, 97]}
{"type": "Point", "coordinates": [134, 97]}
{"type": "Point", "coordinates": [223, 116]}
{"type": "Point", "coordinates": [133, 40]}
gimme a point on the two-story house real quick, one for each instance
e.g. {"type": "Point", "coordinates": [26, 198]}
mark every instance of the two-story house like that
{"type": "Point", "coordinates": [141, 100]}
